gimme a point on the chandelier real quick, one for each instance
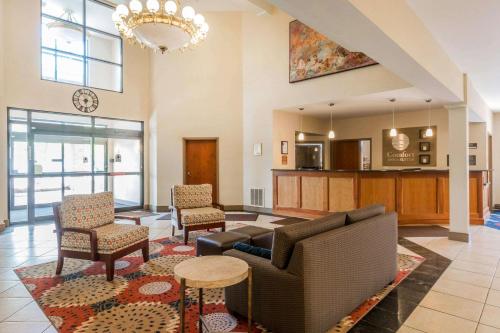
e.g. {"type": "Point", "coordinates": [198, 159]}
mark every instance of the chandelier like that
{"type": "Point", "coordinates": [160, 25]}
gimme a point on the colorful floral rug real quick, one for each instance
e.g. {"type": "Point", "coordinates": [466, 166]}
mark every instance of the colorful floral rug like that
{"type": "Point", "coordinates": [144, 297]}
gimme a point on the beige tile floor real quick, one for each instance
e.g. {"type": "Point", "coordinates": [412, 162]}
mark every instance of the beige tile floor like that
{"type": "Point", "coordinates": [25, 246]}
{"type": "Point", "coordinates": [465, 299]}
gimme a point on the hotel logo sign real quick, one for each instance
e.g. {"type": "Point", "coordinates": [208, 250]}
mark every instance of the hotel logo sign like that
{"type": "Point", "coordinates": [409, 148]}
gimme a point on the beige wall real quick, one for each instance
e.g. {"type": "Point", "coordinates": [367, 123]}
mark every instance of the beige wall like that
{"type": "Point", "coordinates": [285, 124]}
{"type": "Point", "coordinates": [496, 158]}
{"type": "Point", "coordinates": [199, 95]}
{"type": "Point", "coordinates": [3, 123]}
{"type": "Point", "coordinates": [266, 88]}
{"type": "Point", "coordinates": [25, 89]}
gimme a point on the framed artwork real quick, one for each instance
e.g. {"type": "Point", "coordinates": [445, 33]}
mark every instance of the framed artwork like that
{"type": "Point", "coordinates": [284, 160]}
{"type": "Point", "coordinates": [284, 147]}
{"type": "Point", "coordinates": [425, 146]}
{"type": "Point", "coordinates": [473, 145]}
{"type": "Point", "coordinates": [472, 160]}
{"type": "Point", "coordinates": [313, 55]}
{"type": "Point", "coordinates": [425, 159]}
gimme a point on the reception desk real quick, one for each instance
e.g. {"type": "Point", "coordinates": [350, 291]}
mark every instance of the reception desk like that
{"type": "Point", "coordinates": [419, 197]}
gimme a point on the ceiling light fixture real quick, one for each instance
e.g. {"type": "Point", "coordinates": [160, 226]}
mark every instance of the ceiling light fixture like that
{"type": "Point", "coordinates": [64, 31]}
{"type": "Point", "coordinates": [429, 132]}
{"type": "Point", "coordinates": [159, 25]}
{"type": "Point", "coordinates": [393, 132]}
{"type": "Point", "coordinates": [331, 134]}
{"type": "Point", "coordinates": [301, 136]}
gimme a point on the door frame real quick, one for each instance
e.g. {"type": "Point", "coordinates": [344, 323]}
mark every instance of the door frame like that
{"type": "Point", "coordinates": [217, 176]}
{"type": "Point", "coordinates": [359, 143]}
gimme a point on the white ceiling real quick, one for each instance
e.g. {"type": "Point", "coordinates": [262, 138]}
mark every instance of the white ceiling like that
{"type": "Point", "coordinates": [214, 5]}
{"type": "Point", "coordinates": [469, 32]}
{"type": "Point", "coordinates": [409, 99]}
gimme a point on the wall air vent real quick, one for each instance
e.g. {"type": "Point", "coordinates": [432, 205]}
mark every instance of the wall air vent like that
{"type": "Point", "coordinates": [257, 197]}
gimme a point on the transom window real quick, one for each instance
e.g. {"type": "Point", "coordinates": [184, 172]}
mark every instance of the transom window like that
{"type": "Point", "coordinates": [80, 44]}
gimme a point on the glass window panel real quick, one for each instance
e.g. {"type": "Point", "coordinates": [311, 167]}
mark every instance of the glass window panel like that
{"type": "Point", "coordinates": [104, 76]}
{"type": "Point", "coordinates": [104, 47]}
{"type": "Point", "coordinates": [100, 155]}
{"type": "Point", "coordinates": [18, 149]}
{"type": "Point", "coordinates": [71, 10]}
{"type": "Point", "coordinates": [99, 17]}
{"type": "Point", "coordinates": [100, 184]}
{"type": "Point", "coordinates": [58, 118]}
{"type": "Point", "coordinates": [77, 185]}
{"type": "Point", "coordinates": [48, 190]}
{"type": "Point", "coordinates": [48, 154]}
{"type": "Point", "coordinates": [19, 200]}
{"type": "Point", "coordinates": [77, 154]}
{"type": "Point", "coordinates": [62, 36]}
{"type": "Point", "coordinates": [126, 190]}
{"type": "Point", "coordinates": [125, 155]}
{"type": "Point", "coordinates": [48, 65]}
{"type": "Point", "coordinates": [118, 124]}
{"type": "Point", "coordinates": [18, 115]}
{"type": "Point", "coordinates": [69, 69]}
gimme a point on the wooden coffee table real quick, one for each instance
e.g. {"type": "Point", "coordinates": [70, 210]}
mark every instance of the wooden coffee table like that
{"type": "Point", "coordinates": [210, 272]}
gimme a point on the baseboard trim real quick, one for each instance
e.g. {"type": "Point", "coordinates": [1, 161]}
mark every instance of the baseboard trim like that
{"type": "Point", "coordinates": [261, 210]}
{"type": "Point", "coordinates": [160, 209]}
{"type": "Point", "coordinates": [458, 236]}
{"type": "Point", "coordinates": [232, 208]}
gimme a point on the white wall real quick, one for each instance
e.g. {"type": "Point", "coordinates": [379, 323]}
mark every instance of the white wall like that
{"type": "Point", "coordinates": [25, 89]}
{"type": "Point", "coordinates": [266, 88]}
{"type": "Point", "coordinates": [198, 94]}
{"type": "Point", "coordinates": [496, 158]}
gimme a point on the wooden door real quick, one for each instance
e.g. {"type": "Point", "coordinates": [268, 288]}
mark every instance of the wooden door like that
{"type": "Point", "coordinates": [346, 155]}
{"type": "Point", "coordinates": [200, 165]}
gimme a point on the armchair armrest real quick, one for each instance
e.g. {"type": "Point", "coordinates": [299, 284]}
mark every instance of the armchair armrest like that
{"type": "Point", "coordinates": [93, 238]}
{"type": "Point", "coordinates": [218, 206]}
{"type": "Point", "coordinates": [177, 213]}
{"type": "Point", "coordinates": [136, 219]}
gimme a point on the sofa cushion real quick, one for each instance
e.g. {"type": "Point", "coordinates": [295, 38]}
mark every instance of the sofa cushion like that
{"type": "Point", "coordinates": [110, 238]}
{"type": "Point", "coordinates": [204, 215]}
{"type": "Point", "coordinates": [364, 213]}
{"type": "Point", "coordinates": [286, 237]}
{"type": "Point", "coordinates": [192, 196]}
{"type": "Point", "coordinates": [253, 250]}
{"type": "Point", "coordinates": [87, 211]}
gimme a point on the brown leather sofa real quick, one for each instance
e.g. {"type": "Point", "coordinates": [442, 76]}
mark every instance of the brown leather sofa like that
{"type": "Point", "coordinates": [320, 270]}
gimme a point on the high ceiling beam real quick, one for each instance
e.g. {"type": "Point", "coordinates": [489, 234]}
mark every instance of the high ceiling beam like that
{"type": "Point", "coordinates": [390, 33]}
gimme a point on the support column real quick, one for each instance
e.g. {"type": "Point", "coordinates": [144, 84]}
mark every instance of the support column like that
{"type": "Point", "coordinates": [458, 132]}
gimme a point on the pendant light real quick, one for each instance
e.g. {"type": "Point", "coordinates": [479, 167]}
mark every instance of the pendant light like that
{"type": "Point", "coordinates": [393, 132]}
{"type": "Point", "coordinates": [301, 136]}
{"type": "Point", "coordinates": [429, 133]}
{"type": "Point", "coordinates": [331, 134]}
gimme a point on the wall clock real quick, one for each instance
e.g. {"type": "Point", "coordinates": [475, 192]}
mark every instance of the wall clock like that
{"type": "Point", "coordinates": [85, 100]}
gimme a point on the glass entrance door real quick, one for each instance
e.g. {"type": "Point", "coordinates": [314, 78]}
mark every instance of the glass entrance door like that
{"type": "Point", "coordinates": [54, 155]}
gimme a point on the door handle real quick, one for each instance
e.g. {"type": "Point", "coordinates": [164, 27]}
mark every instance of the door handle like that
{"type": "Point", "coordinates": [189, 174]}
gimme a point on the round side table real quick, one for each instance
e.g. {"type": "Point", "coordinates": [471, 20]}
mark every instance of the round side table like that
{"type": "Point", "coordinates": [210, 272]}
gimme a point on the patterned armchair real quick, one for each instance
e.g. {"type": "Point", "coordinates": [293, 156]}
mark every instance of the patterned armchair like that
{"type": "Point", "coordinates": [192, 209]}
{"type": "Point", "coordinates": [86, 230]}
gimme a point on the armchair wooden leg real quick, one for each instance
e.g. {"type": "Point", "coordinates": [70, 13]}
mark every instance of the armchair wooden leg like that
{"type": "Point", "coordinates": [223, 228]}
{"type": "Point", "coordinates": [110, 269]}
{"type": "Point", "coordinates": [173, 231]}
{"type": "Point", "coordinates": [60, 263]}
{"type": "Point", "coordinates": [186, 235]}
{"type": "Point", "coordinates": [145, 253]}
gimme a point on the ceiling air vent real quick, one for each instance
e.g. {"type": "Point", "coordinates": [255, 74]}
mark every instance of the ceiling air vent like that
{"type": "Point", "coordinates": [257, 197]}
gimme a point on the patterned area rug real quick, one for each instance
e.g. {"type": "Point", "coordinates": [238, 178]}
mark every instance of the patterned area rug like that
{"type": "Point", "coordinates": [494, 220]}
{"type": "Point", "coordinates": [144, 297]}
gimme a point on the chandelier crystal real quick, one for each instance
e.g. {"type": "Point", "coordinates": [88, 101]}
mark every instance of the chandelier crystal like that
{"type": "Point", "coordinates": [162, 25]}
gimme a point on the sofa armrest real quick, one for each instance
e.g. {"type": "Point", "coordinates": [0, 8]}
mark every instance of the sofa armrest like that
{"type": "Point", "coordinates": [271, 293]}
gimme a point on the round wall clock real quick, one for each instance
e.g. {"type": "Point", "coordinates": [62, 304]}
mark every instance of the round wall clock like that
{"type": "Point", "coordinates": [85, 100]}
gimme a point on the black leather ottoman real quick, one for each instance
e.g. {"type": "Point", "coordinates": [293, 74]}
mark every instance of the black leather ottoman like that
{"type": "Point", "coordinates": [252, 231]}
{"type": "Point", "coordinates": [217, 243]}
